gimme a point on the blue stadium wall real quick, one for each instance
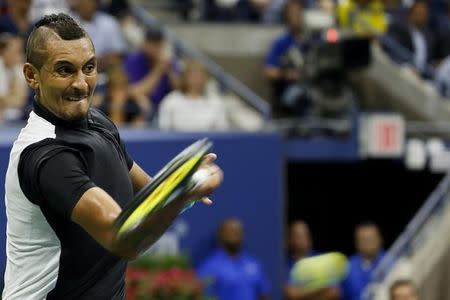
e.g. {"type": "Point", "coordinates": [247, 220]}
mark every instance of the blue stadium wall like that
{"type": "Point", "coordinates": [252, 192]}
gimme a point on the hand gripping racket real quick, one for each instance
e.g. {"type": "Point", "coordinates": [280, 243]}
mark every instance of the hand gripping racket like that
{"type": "Point", "coordinates": [170, 182]}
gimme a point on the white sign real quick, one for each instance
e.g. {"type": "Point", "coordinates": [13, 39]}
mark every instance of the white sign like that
{"type": "Point", "coordinates": [382, 135]}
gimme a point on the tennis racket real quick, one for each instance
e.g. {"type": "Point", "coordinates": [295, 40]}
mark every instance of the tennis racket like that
{"type": "Point", "coordinates": [174, 179]}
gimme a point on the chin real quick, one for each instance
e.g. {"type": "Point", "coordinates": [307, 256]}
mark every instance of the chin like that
{"type": "Point", "coordinates": [77, 110]}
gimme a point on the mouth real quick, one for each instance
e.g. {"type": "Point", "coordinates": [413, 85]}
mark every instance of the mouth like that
{"type": "Point", "coordinates": [75, 98]}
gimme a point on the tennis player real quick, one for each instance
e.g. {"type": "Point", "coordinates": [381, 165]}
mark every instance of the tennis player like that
{"type": "Point", "coordinates": [69, 177]}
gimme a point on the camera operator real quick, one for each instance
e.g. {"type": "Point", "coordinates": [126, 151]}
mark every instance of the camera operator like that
{"type": "Point", "coordinates": [284, 63]}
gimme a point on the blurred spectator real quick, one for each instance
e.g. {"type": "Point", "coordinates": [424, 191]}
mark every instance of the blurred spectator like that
{"type": "Point", "coordinates": [193, 107]}
{"type": "Point", "coordinates": [151, 71]}
{"type": "Point", "coordinates": [119, 105]}
{"type": "Point", "coordinates": [403, 290]}
{"type": "Point", "coordinates": [231, 273]}
{"type": "Point", "coordinates": [232, 10]}
{"type": "Point", "coordinates": [13, 88]}
{"type": "Point", "coordinates": [364, 17]}
{"type": "Point", "coordinates": [416, 38]}
{"type": "Point", "coordinates": [40, 8]}
{"type": "Point", "coordinates": [121, 10]}
{"type": "Point", "coordinates": [104, 31]}
{"type": "Point", "coordinates": [300, 246]}
{"type": "Point", "coordinates": [368, 242]}
{"type": "Point", "coordinates": [285, 61]}
{"type": "Point", "coordinates": [17, 20]}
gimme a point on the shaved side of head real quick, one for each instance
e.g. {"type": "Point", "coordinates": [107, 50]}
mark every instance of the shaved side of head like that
{"type": "Point", "coordinates": [54, 26]}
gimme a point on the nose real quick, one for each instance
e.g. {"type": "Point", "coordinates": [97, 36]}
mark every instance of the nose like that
{"type": "Point", "coordinates": [79, 82]}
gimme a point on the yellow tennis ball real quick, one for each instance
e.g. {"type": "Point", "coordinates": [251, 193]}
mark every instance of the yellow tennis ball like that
{"type": "Point", "coordinates": [319, 271]}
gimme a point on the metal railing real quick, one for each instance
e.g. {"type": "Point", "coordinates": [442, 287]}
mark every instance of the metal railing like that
{"type": "Point", "coordinates": [227, 80]}
{"type": "Point", "coordinates": [406, 242]}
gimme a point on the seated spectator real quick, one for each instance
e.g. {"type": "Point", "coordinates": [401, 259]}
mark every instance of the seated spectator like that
{"type": "Point", "coordinates": [403, 290]}
{"type": "Point", "coordinates": [151, 71]}
{"type": "Point", "coordinates": [13, 88]}
{"type": "Point", "coordinates": [284, 62]}
{"type": "Point", "coordinates": [119, 105]}
{"type": "Point", "coordinates": [368, 242]}
{"type": "Point", "coordinates": [17, 21]}
{"type": "Point", "coordinates": [300, 246]}
{"type": "Point", "coordinates": [192, 107]}
{"type": "Point", "coordinates": [364, 17]}
{"type": "Point", "coordinates": [104, 31]}
{"type": "Point", "coordinates": [415, 37]}
{"type": "Point", "coordinates": [232, 273]}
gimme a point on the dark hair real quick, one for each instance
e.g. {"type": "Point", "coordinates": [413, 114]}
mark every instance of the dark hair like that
{"type": "Point", "coordinates": [398, 283]}
{"type": "Point", "coordinates": [154, 34]}
{"type": "Point", "coordinates": [61, 24]}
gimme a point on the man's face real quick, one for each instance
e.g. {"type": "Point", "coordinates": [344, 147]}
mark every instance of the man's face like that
{"type": "Point", "coordinates": [404, 292]}
{"type": "Point", "coordinates": [20, 5]}
{"type": "Point", "coordinates": [368, 241]}
{"type": "Point", "coordinates": [86, 8]}
{"type": "Point", "coordinates": [300, 238]}
{"type": "Point", "coordinates": [294, 17]}
{"type": "Point", "coordinates": [419, 15]}
{"type": "Point", "coordinates": [231, 236]}
{"type": "Point", "coordinates": [66, 82]}
{"type": "Point", "coordinates": [154, 48]}
{"type": "Point", "coordinates": [13, 52]}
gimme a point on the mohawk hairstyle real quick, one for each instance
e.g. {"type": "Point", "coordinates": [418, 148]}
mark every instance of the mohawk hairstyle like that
{"type": "Point", "coordinates": [62, 25]}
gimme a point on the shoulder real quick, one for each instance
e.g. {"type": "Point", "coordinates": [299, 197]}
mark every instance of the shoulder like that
{"type": "Point", "coordinates": [282, 40]}
{"type": "Point", "coordinates": [173, 98]}
{"type": "Point", "coordinates": [97, 117]}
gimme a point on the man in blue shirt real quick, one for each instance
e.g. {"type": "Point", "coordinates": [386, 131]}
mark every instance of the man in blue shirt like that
{"type": "Point", "coordinates": [300, 245]}
{"type": "Point", "coordinates": [368, 242]}
{"type": "Point", "coordinates": [230, 273]}
{"type": "Point", "coordinates": [285, 60]}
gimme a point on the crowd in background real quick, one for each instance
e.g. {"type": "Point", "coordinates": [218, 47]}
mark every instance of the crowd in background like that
{"type": "Point", "coordinates": [236, 274]}
{"type": "Point", "coordinates": [141, 82]}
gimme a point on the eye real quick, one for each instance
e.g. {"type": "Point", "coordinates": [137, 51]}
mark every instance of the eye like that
{"type": "Point", "coordinates": [90, 68]}
{"type": "Point", "coordinates": [64, 70]}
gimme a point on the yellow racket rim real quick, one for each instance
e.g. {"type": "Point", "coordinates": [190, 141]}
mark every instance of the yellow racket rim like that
{"type": "Point", "coordinates": [159, 194]}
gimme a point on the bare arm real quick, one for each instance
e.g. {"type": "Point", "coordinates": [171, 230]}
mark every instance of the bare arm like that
{"type": "Point", "coordinates": [139, 178]}
{"type": "Point", "coordinates": [97, 212]}
{"type": "Point", "coordinates": [150, 81]}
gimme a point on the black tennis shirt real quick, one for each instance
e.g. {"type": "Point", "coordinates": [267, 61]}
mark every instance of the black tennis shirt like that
{"type": "Point", "coordinates": [53, 174]}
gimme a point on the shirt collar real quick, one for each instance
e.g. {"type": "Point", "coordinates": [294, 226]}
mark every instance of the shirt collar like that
{"type": "Point", "coordinates": [43, 112]}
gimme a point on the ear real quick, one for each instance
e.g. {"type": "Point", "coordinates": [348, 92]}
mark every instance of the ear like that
{"type": "Point", "coordinates": [31, 76]}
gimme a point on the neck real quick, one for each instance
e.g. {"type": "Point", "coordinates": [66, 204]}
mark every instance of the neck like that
{"type": "Point", "coordinates": [194, 93]}
{"type": "Point", "coordinates": [299, 254]}
{"type": "Point", "coordinates": [369, 258]}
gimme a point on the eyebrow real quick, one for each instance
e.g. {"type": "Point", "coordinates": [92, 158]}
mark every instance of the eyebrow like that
{"type": "Point", "coordinates": [66, 62]}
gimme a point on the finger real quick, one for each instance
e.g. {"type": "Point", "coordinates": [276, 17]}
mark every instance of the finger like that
{"type": "Point", "coordinates": [207, 201]}
{"type": "Point", "coordinates": [209, 158]}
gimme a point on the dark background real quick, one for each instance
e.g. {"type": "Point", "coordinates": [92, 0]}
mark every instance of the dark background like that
{"type": "Point", "coordinates": [334, 197]}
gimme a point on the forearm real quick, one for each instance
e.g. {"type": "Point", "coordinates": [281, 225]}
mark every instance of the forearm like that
{"type": "Point", "coordinates": [132, 244]}
{"type": "Point", "coordinates": [148, 84]}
